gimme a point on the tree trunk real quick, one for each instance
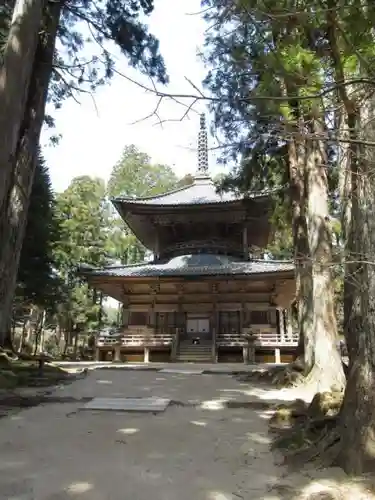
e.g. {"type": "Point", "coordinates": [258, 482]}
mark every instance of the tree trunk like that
{"type": "Point", "coordinates": [349, 172]}
{"type": "Point", "coordinates": [301, 254]}
{"type": "Point", "coordinates": [23, 334]}
{"type": "Point", "coordinates": [15, 75]}
{"type": "Point", "coordinates": [349, 176]}
{"type": "Point", "coordinates": [13, 215]}
{"type": "Point", "coordinates": [327, 370]}
{"type": "Point", "coordinates": [76, 337]}
{"type": "Point", "coordinates": [357, 419]}
{"type": "Point", "coordinates": [37, 332]}
{"type": "Point", "coordinates": [42, 331]}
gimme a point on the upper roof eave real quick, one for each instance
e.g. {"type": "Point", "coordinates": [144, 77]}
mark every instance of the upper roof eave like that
{"type": "Point", "coordinates": [196, 194]}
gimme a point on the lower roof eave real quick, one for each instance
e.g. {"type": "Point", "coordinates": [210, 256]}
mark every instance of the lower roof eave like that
{"type": "Point", "coordinates": [95, 278]}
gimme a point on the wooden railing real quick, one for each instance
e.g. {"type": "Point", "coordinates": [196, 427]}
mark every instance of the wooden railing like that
{"type": "Point", "coordinates": [136, 336]}
{"type": "Point", "coordinates": [146, 336]}
{"type": "Point", "coordinates": [264, 338]}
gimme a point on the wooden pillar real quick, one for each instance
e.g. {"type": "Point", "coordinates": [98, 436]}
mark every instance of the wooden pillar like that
{"type": "Point", "coordinates": [245, 245]}
{"type": "Point", "coordinates": [146, 354]}
{"type": "Point", "coordinates": [125, 316]}
{"type": "Point", "coordinates": [214, 347]}
{"type": "Point", "coordinates": [289, 326]}
{"type": "Point", "coordinates": [157, 246]}
{"type": "Point", "coordinates": [175, 342]}
{"type": "Point", "coordinates": [117, 353]}
{"type": "Point", "coordinates": [215, 323]}
{"type": "Point", "coordinates": [246, 353]}
{"type": "Point", "coordinates": [280, 318]}
{"type": "Point", "coordinates": [277, 355]}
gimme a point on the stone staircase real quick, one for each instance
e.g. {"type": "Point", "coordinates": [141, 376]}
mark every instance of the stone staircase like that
{"type": "Point", "coordinates": [194, 353]}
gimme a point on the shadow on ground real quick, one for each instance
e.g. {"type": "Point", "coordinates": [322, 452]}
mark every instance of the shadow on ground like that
{"type": "Point", "coordinates": [212, 443]}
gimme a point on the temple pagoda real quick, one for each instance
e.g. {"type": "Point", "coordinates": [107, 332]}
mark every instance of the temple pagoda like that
{"type": "Point", "coordinates": [202, 297]}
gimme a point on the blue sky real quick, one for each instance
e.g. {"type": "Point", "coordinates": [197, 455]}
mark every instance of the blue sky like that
{"type": "Point", "coordinates": [95, 133]}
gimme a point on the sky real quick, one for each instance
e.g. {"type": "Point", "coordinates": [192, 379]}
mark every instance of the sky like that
{"type": "Point", "coordinates": [95, 132]}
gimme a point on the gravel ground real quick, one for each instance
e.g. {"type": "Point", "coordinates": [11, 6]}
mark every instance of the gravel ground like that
{"type": "Point", "coordinates": [211, 443]}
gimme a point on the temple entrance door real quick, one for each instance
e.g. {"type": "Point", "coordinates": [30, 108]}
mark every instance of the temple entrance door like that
{"type": "Point", "coordinates": [198, 326]}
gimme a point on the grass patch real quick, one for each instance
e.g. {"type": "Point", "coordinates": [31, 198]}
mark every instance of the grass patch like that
{"type": "Point", "coordinates": [28, 374]}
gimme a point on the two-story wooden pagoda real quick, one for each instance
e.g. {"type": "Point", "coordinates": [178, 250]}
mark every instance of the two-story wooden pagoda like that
{"type": "Point", "coordinates": [202, 294]}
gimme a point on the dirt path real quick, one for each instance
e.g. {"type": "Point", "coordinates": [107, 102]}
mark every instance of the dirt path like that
{"type": "Point", "coordinates": [212, 443]}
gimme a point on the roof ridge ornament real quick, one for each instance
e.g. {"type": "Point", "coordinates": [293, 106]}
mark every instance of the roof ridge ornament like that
{"type": "Point", "coordinates": [202, 170]}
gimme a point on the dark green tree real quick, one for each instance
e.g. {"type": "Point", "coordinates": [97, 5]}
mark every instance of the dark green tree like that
{"type": "Point", "coordinates": [135, 175]}
{"type": "Point", "coordinates": [261, 73]}
{"type": "Point", "coordinates": [81, 62]}
{"type": "Point", "coordinates": [83, 239]}
{"type": "Point", "coordinates": [36, 273]}
{"type": "Point", "coordinates": [298, 78]}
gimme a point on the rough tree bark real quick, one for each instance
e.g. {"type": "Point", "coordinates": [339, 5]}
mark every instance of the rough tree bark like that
{"type": "Point", "coordinates": [357, 418]}
{"type": "Point", "coordinates": [301, 254]}
{"type": "Point", "coordinates": [13, 213]}
{"type": "Point", "coordinates": [15, 74]}
{"type": "Point", "coordinates": [327, 370]}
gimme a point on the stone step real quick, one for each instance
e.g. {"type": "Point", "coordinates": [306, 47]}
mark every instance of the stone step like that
{"type": "Point", "coordinates": [195, 346]}
{"type": "Point", "coordinates": [195, 351]}
{"type": "Point", "coordinates": [195, 359]}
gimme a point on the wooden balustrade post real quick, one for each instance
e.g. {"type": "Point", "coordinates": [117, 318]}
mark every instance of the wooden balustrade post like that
{"type": "Point", "coordinates": [281, 325]}
{"type": "Point", "coordinates": [146, 354]}
{"type": "Point", "coordinates": [175, 341]}
{"type": "Point", "coordinates": [289, 327]}
{"type": "Point", "coordinates": [117, 353]}
{"type": "Point", "coordinates": [214, 348]}
{"type": "Point", "coordinates": [277, 355]}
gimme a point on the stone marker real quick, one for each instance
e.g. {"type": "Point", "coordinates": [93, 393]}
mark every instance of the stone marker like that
{"type": "Point", "coordinates": [152, 404]}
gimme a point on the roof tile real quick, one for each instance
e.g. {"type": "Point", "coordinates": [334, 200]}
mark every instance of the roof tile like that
{"type": "Point", "coordinates": [195, 265]}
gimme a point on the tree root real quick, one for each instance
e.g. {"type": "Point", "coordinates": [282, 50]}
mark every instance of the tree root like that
{"type": "Point", "coordinates": [308, 433]}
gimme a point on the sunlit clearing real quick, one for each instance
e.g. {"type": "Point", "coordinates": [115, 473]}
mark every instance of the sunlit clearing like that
{"type": "Point", "coordinates": [197, 422]}
{"type": "Point", "coordinates": [258, 438]}
{"type": "Point", "coordinates": [325, 488]}
{"type": "Point", "coordinates": [266, 415]}
{"type": "Point", "coordinates": [16, 417]}
{"type": "Point", "coordinates": [237, 391]}
{"type": "Point", "coordinates": [11, 465]}
{"type": "Point", "coordinates": [218, 495]}
{"type": "Point", "coordinates": [79, 487]}
{"type": "Point", "coordinates": [215, 404]}
{"type": "Point", "coordinates": [104, 382]}
{"type": "Point", "coordinates": [128, 430]}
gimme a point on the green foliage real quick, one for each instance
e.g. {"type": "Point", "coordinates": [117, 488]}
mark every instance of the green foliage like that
{"type": "Point", "coordinates": [83, 223]}
{"type": "Point", "coordinates": [269, 63]}
{"type": "Point", "coordinates": [82, 212]}
{"type": "Point", "coordinates": [37, 282]}
{"type": "Point", "coordinates": [83, 57]}
{"type": "Point", "coordinates": [135, 175]}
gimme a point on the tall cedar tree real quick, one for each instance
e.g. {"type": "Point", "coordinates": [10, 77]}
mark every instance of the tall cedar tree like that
{"type": "Point", "coordinates": [36, 273]}
{"type": "Point", "coordinates": [311, 49]}
{"type": "Point", "coordinates": [257, 56]}
{"type": "Point", "coordinates": [61, 72]}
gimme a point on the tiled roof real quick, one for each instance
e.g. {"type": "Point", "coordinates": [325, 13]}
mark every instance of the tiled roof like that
{"type": "Point", "coordinates": [202, 191]}
{"type": "Point", "coordinates": [195, 265]}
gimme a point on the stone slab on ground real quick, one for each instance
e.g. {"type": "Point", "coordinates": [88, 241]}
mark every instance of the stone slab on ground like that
{"type": "Point", "coordinates": [152, 404]}
{"type": "Point", "coordinates": [183, 371]}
